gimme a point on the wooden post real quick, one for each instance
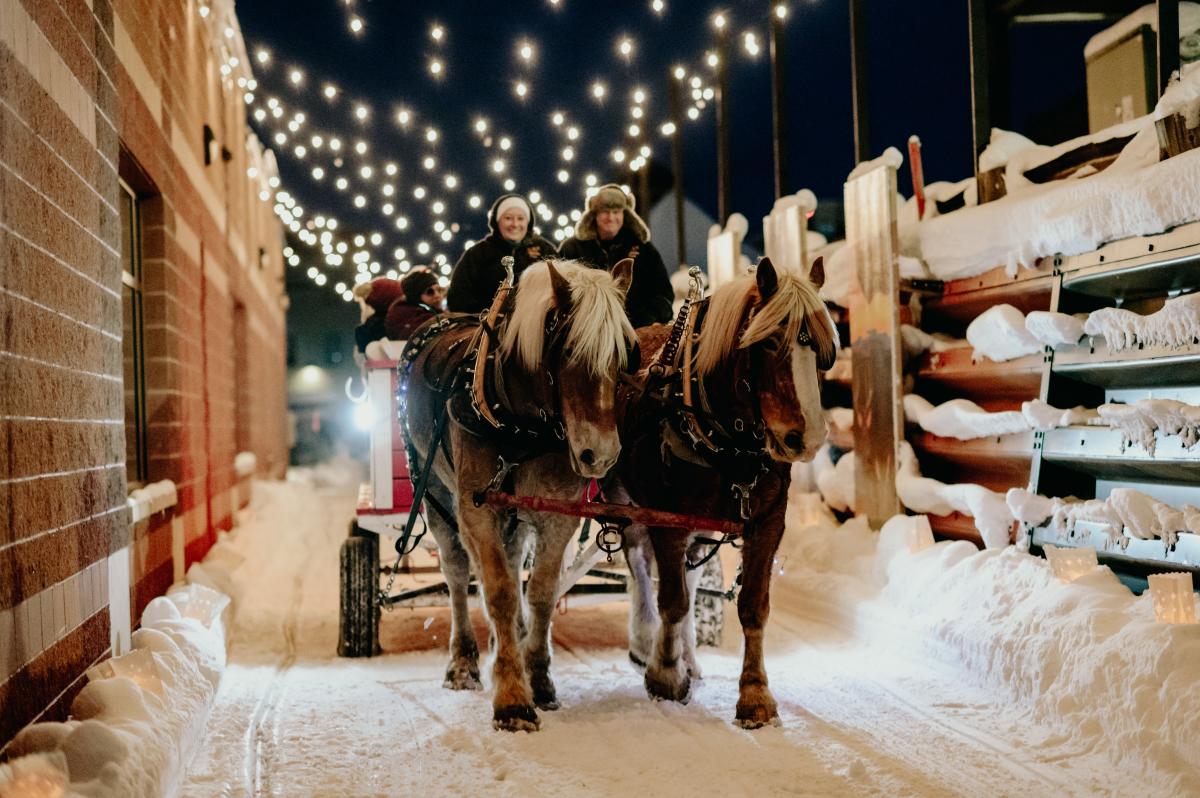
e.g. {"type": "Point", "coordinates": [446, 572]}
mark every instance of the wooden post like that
{"type": "Point", "coordinates": [871, 235]}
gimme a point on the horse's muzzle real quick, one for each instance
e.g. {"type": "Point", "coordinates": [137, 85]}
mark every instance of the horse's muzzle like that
{"type": "Point", "coordinates": [588, 463]}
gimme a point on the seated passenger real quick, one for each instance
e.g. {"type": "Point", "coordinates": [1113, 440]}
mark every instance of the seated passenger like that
{"type": "Point", "coordinates": [422, 300]}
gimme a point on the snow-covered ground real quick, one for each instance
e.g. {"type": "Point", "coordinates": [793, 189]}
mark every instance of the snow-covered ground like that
{"type": "Point", "coordinates": [939, 672]}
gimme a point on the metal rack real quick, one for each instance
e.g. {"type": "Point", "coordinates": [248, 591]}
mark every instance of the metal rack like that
{"type": "Point", "coordinates": [1089, 462]}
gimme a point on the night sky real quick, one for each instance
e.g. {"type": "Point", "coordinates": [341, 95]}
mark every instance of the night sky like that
{"type": "Point", "coordinates": [919, 83]}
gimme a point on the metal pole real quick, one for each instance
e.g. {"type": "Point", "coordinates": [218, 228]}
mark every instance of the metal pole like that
{"type": "Point", "coordinates": [779, 97]}
{"type": "Point", "coordinates": [724, 174]}
{"type": "Point", "coordinates": [980, 96]}
{"type": "Point", "coordinates": [858, 81]}
{"type": "Point", "coordinates": [1168, 41]}
{"type": "Point", "coordinates": [676, 108]}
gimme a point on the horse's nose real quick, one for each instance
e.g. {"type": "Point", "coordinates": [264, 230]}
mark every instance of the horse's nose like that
{"type": "Point", "coordinates": [794, 440]}
{"type": "Point", "coordinates": [587, 457]}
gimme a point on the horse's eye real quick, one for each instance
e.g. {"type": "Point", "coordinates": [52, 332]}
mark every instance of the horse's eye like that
{"type": "Point", "coordinates": [771, 345]}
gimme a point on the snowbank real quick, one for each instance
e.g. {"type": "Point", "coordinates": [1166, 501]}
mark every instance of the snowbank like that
{"type": "Point", "coordinates": [136, 724]}
{"type": "Point", "coordinates": [1086, 657]}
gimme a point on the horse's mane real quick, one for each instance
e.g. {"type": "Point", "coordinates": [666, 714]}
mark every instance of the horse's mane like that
{"type": "Point", "coordinates": [598, 327]}
{"type": "Point", "coordinates": [794, 301]}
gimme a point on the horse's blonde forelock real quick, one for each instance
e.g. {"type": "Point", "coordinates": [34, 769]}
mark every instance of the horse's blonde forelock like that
{"type": "Point", "coordinates": [598, 329]}
{"type": "Point", "coordinates": [794, 301]}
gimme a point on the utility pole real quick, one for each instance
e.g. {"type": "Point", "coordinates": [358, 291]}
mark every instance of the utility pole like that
{"type": "Point", "coordinates": [724, 173]}
{"type": "Point", "coordinates": [779, 97]}
{"type": "Point", "coordinates": [675, 101]}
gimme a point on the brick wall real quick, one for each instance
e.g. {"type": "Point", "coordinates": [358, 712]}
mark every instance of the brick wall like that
{"type": "Point", "coordinates": [92, 91]}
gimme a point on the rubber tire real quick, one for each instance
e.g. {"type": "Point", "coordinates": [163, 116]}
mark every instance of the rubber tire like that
{"type": "Point", "coordinates": [710, 610]}
{"type": "Point", "coordinates": [358, 628]}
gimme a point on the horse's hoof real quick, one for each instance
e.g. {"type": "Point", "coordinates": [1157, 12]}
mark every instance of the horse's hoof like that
{"type": "Point", "coordinates": [546, 697]}
{"type": "Point", "coordinates": [668, 685]}
{"type": "Point", "coordinates": [519, 717]}
{"type": "Point", "coordinates": [461, 677]}
{"type": "Point", "coordinates": [757, 715]}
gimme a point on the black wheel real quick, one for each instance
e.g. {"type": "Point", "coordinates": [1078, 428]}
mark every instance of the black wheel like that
{"type": "Point", "coordinates": [358, 634]}
{"type": "Point", "coordinates": [710, 610]}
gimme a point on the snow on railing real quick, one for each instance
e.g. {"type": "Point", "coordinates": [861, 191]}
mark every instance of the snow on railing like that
{"type": "Point", "coordinates": [245, 464]}
{"type": "Point", "coordinates": [153, 498]}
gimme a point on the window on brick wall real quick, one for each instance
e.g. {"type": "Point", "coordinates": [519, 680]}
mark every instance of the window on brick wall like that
{"type": "Point", "coordinates": [133, 340]}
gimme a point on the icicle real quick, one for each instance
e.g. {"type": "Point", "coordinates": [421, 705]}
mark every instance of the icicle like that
{"type": "Point", "coordinates": [1136, 511]}
{"type": "Point", "coordinates": [1116, 326]}
{"type": "Point", "coordinates": [1134, 426]}
{"type": "Point", "coordinates": [1170, 522]}
{"type": "Point", "coordinates": [1190, 433]}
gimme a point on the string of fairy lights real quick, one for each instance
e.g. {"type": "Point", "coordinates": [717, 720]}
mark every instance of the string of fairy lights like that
{"type": "Point", "coordinates": [403, 186]}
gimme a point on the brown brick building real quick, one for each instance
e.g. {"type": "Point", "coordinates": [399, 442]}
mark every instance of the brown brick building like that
{"type": "Point", "coordinates": [142, 309]}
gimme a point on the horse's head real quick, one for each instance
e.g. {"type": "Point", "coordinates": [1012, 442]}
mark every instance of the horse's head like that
{"type": "Point", "coordinates": [570, 333]}
{"type": "Point", "coordinates": [785, 336]}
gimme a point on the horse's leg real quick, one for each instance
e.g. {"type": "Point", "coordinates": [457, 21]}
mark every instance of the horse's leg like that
{"type": "Point", "coordinates": [689, 620]}
{"type": "Point", "coordinates": [516, 545]}
{"type": "Point", "coordinates": [666, 675]}
{"type": "Point", "coordinates": [643, 610]}
{"type": "Point", "coordinates": [756, 706]}
{"type": "Point", "coordinates": [553, 534]}
{"type": "Point", "coordinates": [512, 704]}
{"type": "Point", "coordinates": [463, 671]}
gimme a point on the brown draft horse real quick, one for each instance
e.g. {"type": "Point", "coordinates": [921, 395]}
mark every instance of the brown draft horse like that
{"type": "Point", "coordinates": [755, 409]}
{"type": "Point", "coordinates": [561, 352]}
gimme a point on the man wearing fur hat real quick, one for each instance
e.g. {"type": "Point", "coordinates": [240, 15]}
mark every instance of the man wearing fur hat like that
{"type": "Point", "coordinates": [478, 272]}
{"type": "Point", "coordinates": [610, 231]}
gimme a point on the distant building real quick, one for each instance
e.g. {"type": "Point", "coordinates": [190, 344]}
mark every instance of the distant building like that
{"type": "Point", "coordinates": [141, 289]}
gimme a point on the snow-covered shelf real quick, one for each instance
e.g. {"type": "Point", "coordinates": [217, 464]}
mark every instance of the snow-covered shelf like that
{"type": "Point", "coordinates": [1136, 267]}
{"type": "Point", "coordinates": [955, 370]}
{"type": "Point", "coordinates": [1149, 554]}
{"type": "Point", "coordinates": [964, 299]}
{"type": "Point", "coordinates": [1098, 451]}
{"type": "Point", "coordinates": [998, 462]}
{"type": "Point", "coordinates": [1144, 367]}
{"type": "Point", "coordinates": [956, 526]}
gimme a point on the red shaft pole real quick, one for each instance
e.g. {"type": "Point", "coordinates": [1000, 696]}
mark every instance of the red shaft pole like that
{"type": "Point", "coordinates": [639, 515]}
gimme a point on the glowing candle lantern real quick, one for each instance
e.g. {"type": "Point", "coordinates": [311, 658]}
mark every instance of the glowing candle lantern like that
{"type": "Point", "coordinates": [139, 665]}
{"type": "Point", "coordinates": [203, 603]}
{"type": "Point", "coordinates": [1174, 601]}
{"type": "Point", "coordinates": [1068, 564]}
{"type": "Point", "coordinates": [922, 534]}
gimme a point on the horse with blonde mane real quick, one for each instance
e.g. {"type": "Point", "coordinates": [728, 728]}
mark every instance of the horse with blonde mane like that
{"type": "Point", "coordinates": [551, 387]}
{"type": "Point", "coordinates": [717, 439]}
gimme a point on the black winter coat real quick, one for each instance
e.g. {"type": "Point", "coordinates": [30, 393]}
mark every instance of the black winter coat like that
{"type": "Point", "coordinates": [478, 272]}
{"type": "Point", "coordinates": [650, 295]}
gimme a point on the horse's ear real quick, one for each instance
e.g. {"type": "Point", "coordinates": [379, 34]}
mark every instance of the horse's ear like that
{"type": "Point", "coordinates": [768, 280]}
{"type": "Point", "coordinates": [562, 289]}
{"type": "Point", "coordinates": [623, 274]}
{"type": "Point", "coordinates": [816, 275]}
